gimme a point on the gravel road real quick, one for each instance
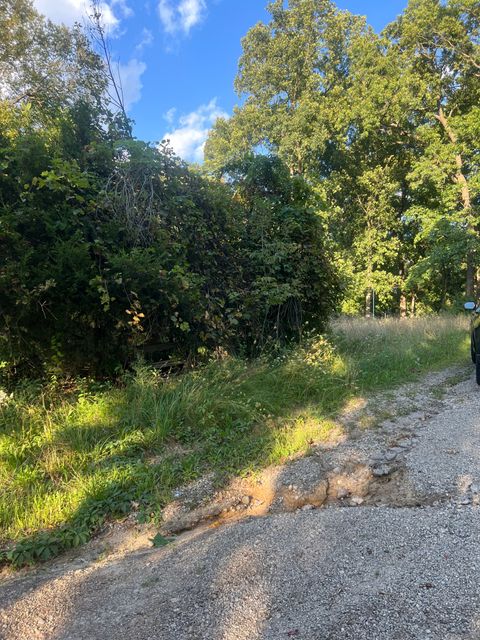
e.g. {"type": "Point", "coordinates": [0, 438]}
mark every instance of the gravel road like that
{"type": "Point", "coordinates": [340, 571]}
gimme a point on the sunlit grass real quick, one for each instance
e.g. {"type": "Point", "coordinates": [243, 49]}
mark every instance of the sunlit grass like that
{"type": "Point", "coordinates": [68, 460]}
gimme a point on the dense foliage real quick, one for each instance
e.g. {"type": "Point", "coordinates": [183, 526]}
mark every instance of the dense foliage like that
{"type": "Point", "coordinates": [385, 128]}
{"type": "Point", "coordinates": [353, 153]}
{"type": "Point", "coordinates": [351, 166]}
{"type": "Point", "coordinates": [113, 247]}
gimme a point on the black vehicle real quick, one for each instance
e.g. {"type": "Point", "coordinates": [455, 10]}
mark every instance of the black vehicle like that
{"type": "Point", "coordinates": [475, 336]}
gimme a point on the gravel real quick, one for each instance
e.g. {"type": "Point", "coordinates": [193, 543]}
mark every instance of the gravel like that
{"type": "Point", "coordinates": [322, 574]}
{"type": "Point", "coordinates": [340, 572]}
{"type": "Point", "coordinates": [446, 458]}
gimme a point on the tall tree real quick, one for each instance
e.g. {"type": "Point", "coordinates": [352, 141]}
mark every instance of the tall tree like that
{"type": "Point", "coordinates": [438, 49]}
{"type": "Point", "coordinates": [294, 72]}
{"type": "Point", "coordinates": [385, 127]}
{"type": "Point", "coordinates": [48, 65]}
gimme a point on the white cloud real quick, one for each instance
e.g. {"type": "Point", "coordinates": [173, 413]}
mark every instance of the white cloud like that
{"type": "Point", "coordinates": [181, 15]}
{"type": "Point", "coordinates": [71, 11]}
{"type": "Point", "coordinates": [146, 40]}
{"type": "Point", "coordinates": [131, 81]}
{"type": "Point", "coordinates": [189, 136]}
{"type": "Point", "coordinates": [126, 11]}
{"type": "Point", "coordinates": [170, 115]}
{"type": "Point", "coordinates": [191, 12]}
{"type": "Point", "coordinates": [167, 15]}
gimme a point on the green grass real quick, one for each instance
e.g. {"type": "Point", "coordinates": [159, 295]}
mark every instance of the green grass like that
{"type": "Point", "coordinates": [71, 458]}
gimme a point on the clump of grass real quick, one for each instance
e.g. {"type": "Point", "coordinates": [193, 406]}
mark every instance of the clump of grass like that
{"type": "Point", "coordinates": [385, 352]}
{"type": "Point", "coordinates": [70, 459]}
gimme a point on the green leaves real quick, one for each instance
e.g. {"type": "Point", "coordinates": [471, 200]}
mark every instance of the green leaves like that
{"type": "Point", "coordinates": [383, 126]}
{"type": "Point", "coordinates": [44, 545]}
{"type": "Point", "coordinates": [151, 259]}
{"type": "Point", "coordinates": [160, 541]}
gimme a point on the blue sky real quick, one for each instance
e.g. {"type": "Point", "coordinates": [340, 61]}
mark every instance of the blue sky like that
{"type": "Point", "coordinates": [178, 58]}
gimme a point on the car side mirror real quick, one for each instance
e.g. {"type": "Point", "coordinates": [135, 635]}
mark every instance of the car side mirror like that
{"type": "Point", "coordinates": [470, 306]}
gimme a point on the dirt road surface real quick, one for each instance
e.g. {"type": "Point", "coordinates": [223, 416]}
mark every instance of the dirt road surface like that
{"type": "Point", "coordinates": [387, 548]}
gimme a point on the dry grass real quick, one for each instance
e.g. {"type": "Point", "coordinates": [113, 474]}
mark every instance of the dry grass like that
{"type": "Point", "coordinates": [388, 328]}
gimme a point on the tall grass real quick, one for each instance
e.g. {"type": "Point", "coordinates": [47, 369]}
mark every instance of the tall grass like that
{"type": "Point", "coordinates": [384, 352]}
{"type": "Point", "coordinates": [69, 458]}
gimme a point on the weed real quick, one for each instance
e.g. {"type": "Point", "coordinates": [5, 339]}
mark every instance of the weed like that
{"type": "Point", "coordinates": [70, 459]}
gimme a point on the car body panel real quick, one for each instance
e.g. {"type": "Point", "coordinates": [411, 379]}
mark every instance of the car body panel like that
{"type": "Point", "coordinates": [475, 331]}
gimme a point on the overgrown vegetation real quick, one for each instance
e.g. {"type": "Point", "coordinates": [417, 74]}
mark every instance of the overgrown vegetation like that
{"type": "Point", "coordinates": [73, 456]}
{"type": "Point", "coordinates": [348, 176]}
{"type": "Point", "coordinates": [111, 246]}
{"type": "Point", "coordinates": [386, 127]}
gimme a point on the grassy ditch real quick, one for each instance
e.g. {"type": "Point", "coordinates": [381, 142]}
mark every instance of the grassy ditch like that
{"type": "Point", "coordinates": [70, 458]}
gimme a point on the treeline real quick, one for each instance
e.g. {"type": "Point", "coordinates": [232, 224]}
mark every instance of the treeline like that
{"type": "Point", "coordinates": [385, 129]}
{"type": "Point", "coordinates": [111, 247]}
{"type": "Point", "coordinates": [350, 171]}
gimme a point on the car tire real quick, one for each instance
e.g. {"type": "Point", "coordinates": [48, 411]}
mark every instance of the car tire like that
{"type": "Point", "coordinates": [472, 351]}
{"type": "Point", "coordinates": [477, 369]}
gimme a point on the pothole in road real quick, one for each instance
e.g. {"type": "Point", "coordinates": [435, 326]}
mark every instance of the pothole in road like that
{"type": "Point", "coordinates": [303, 485]}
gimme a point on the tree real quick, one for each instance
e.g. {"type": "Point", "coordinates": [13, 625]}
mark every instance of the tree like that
{"type": "Point", "coordinates": [294, 72]}
{"type": "Point", "coordinates": [383, 126]}
{"type": "Point", "coordinates": [438, 48]}
{"type": "Point", "coordinates": [286, 262]}
{"type": "Point", "coordinates": [113, 247]}
{"type": "Point", "coordinates": [304, 75]}
{"type": "Point", "coordinates": [47, 65]}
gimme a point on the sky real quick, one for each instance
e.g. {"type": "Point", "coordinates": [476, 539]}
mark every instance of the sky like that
{"type": "Point", "coordinates": [178, 58]}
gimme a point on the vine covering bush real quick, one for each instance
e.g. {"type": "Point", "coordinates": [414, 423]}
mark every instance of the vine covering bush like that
{"type": "Point", "coordinates": [111, 246]}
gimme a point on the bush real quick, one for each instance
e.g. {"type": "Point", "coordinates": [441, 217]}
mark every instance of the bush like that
{"type": "Point", "coordinates": [144, 255]}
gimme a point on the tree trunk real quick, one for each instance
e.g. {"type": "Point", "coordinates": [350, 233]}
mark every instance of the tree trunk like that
{"type": "Point", "coordinates": [403, 306]}
{"type": "Point", "coordinates": [412, 305]}
{"type": "Point", "coordinates": [368, 303]}
{"type": "Point", "coordinates": [477, 283]}
{"type": "Point", "coordinates": [470, 288]}
{"type": "Point", "coordinates": [461, 180]}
